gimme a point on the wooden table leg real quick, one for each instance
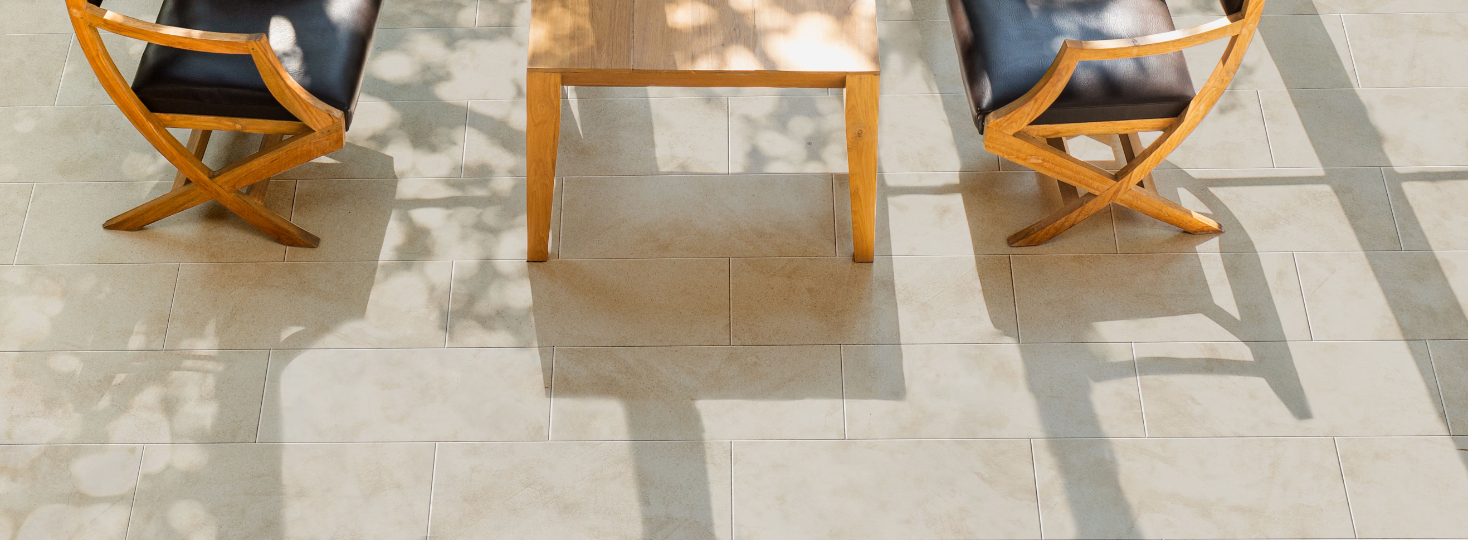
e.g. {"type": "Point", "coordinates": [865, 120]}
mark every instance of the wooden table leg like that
{"type": "Point", "coordinates": [542, 132]}
{"type": "Point", "coordinates": [862, 92]}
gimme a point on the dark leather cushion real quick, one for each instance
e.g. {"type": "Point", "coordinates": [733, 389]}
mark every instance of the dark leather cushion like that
{"type": "Point", "coordinates": [1232, 6]}
{"type": "Point", "coordinates": [1006, 46]}
{"type": "Point", "coordinates": [322, 43]}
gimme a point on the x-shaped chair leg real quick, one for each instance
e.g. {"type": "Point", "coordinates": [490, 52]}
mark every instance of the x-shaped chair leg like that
{"type": "Point", "coordinates": [1103, 188]}
{"type": "Point", "coordinates": [223, 185]}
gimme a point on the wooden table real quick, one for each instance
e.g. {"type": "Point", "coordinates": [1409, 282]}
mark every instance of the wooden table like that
{"type": "Point", "coordinates": [725, 43]}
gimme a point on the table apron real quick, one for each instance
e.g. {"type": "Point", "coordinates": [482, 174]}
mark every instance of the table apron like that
{"type": "Point", "coordinates": [759, 79]}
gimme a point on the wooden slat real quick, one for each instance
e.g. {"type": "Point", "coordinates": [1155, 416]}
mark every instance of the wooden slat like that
{"type": "Point", "coordinates": [222, 123]}
{"type": "Point", "coordinates": [862, 97]}
{"type": "Point", "coordinates": [542, 133]}
{"type": "Point", "coordinates": [1050, 131]}
{"type": "Point", "coordinates": [590, 34]}
{"type": "Point", "coordinates": [759, 79]}
{"type": "Point", "coordinates": [198, 144]}
{"type": "Point", "coordinates": [695, 35]}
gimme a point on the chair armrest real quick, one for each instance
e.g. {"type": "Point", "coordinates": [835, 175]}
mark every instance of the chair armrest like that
{"type": "Point", "coordinates": [169, 36]}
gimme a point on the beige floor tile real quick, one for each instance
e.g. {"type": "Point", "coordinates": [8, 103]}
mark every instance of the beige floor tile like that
{"type": "Point", "coordinates": [930, 133]}
{"type": "Point", "coordinates": [966, 214]}
{"type": "Point", "coordinates": [1299, 51]}
{"type": "Point", "coordinates": [1450, 365]}
{"type": "Point", "coordinates": [136, 397]}
{"type": "Point", "coordinates": [428, 14]}
{"type": "Point", "coordinates": [41, 58]}
{"type": "Point", "coordinates": [92, 307]}
{"type": "Point", "coordinates": [71, 492]}
{"type": "Point", "coordinates": [790, 301]}
{"type": "Point", "coordinates": [407, 395]}
{"type": "Point", "coordinates": [286, 492]}
{"type": "Point", "coordinates": [1231, 137]}
{"type": "Point", "coordinates": [1394, 51]}
{"type": "Point", "coordinates": [1202, 297]}
{"type": "Point", "coordinates": [75, 144]}
{"type": "Point", "coordinates": [919, 57]}
{"type": "Point", "coordinates": [697, 393]}
{"type": "Point", "coordinates": [590, 303]}
{"type": "Point", "coordinates": [1384, 295]}
{"type": "Point", "coordinates": [582, 491]}
{"type": "Point", "coordinates": [1289, 389]}
{"type": "Point", "coordinates": [1403, 127]}
{"type": "Point", "coordinates": [698, 216]}
{"type": "Point", "coordinates": [1423, 201]}
{"type": "Point", "coordinates": [1411, 487]}
{"type": "Point", "coordinates": [643, 136]}
{"type": "Point", "coordinates": [790, 134]}
{"type": "Point", "coordinates": [65, 226]}
{"type": "Point", "coordinates": [495, 139]}
{"type": "Point", "coordinates": [415, 219]}
{"type": "Point", "coordinates": [884, 489]}
{"type": "Point", "coordinates": [396, 140]}
{"type": "Point", "coordinates": [1270, 210]}
{"type": "Point", "coordinates": [79, 84]}
{"type": "Point", "coordinates": [1191, 488]}
{"type": "Point", "coordinates": [46, 17]}
{"type": "Point", "coordinates": [910, 10]}
{"type": "Point", "coordinates": [15, 200]}
{"type": "Point", "coordinates": [991, 391]}
{"type": "Point", "coordinates": [446, 64]}
{"type": "Point", "coordinates": [310, 305]}
{"type": "Point", "coordinates": [503, 13]}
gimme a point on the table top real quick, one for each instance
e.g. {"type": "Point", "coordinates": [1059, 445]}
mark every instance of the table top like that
{"type": "Point", "coordinates": [704, 35]}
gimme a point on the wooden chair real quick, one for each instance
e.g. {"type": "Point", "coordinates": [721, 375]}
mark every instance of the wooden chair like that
{"type": "Point", "coordinates": [211, 65]}
{"type": "Point", "coordinates": [1041, 71]}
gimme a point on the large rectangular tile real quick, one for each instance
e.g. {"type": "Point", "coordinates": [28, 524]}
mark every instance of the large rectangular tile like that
{"type": "Point", "coordinates": [1289, 51]}
{"type": "Point", "coordinates": [1372, 127]}
{"type": "Point", "coordinates": [698, 216]}
{"type": "Point", "coordinates": [854, 490]}
{"type": "Point", "coordinates": [1270, 210]}
{"type": "Point", "coordinates": [966, 214]}
{"type": "Point", "coordinates": [15, 200]}
{"type": "Point", "coordinates": [590, 303]}
{"type": "Point", "coordinates": [46, 17]}
{"type": "Point", "coordinates": [85, 307]}
{"type": "Point", "coordinates": [694, 393]}
{"type": "Point", "coordinates": [503, 13]}
{"type": "Point", "coordinates": [912, 10]}
{"type": "Point", "coordinates": [33, 64]}
{"type": "Point", "coordinates": [929, 133]}
{"type": "Point", "coordinates": [582, 491]}
{"type": "Point", "coordinates": [75, 144]}
{"type": "Point", "coordinates": [79, 84]}
{"type": "Point", "coordinates": [1191, 488]}
{"type": "Point", "coordinates": [428, 14]}
{"type": "Point", "coordinates": [407, 395]}
{"type": "Point", "coordinates": [1194, 297]}
{"type": "Point", "coordinates": [1385, 295]}
{"type": "Point", "coordinates": [1232, 136]}
{"type": "Point", "coordinates": [136, 397]}
{"type": "Point", "coordinates": [919, 57]}
{"type": "Point", "coordinates": [1411, 487]}
{"type": "Point", "coordinates": [446, 64]}
{"type": "Point", "coordinates": [1423, 203]}
{"type": "Point", "coordinates": [65, 226]}
{"type": "Point", "coordinates": [1450, 366]}
{"type": "Point", "coordinates": [71, 492]}
{"type": "Point", "coordinates": [1403, 50]}
{"type": "Point", "coordinates": [1289, 389]}
{"type": "Point", "coordinates": [286, 492]}
{"type": "Point", "coordinates": [787, 134]}
{"type": "Point", "coordinates": [991, 391]}
{"type": "Point", "coordinates": [310, 305]}
{"type": "Point", "coordinates": [788, 301]}
{"type": "Point", "coordinates": [415, 219]}
{"type": "Point", "coordinates": [404, 139]}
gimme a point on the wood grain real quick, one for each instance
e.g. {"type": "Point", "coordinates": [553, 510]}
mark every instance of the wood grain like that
{"type": "Point", "coordinates": [591, 34]}
{"type": "Point", "coordinates": [542, 134]}
{"type": "Point", "coordinates": [862, 97]}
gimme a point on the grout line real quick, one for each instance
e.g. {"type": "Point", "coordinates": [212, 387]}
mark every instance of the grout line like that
{"type": "Point", "coordinates": [1442, 400]}
{"type": "Point", "coordinates": [62, 83]}
{"type": "Point", "coordinates": [173, 300]}
{"type": "Point", "coordinates": [432, 480]}
{"type": "Point", "coordinates": [845, 431]}
{"type": "Point", "coordinates": [264, 391]}
{"type": "Point", "coordinates": [1264, 118]}
{"type": "Point", "coordinates": [464, 154]}
{"type": "Point", "coordinates": [25, 218]}
{"type": "Point", "coordinates": [1035, 469]}
{"type": "Point", "coordinates": [550, 405]}
{"type": "Point", "coordinates": [142, 451]}
{"type": "Point", "coordinates": [1304, 305]}
{"type": "Point", "coordinates": [1401, 241]}
{"type": "Point", "coordinates": [1351, 51]}
{"type": "Point", "coordinates": [1141, 402]}
{"type": "Point", "coordinates": [1019, 336]}
{"type": "Point", "coordinates": [1351, 512]}
{"type": "Point", "coordinates": [732, 525]}
{"type": "Point", "coordinates": [449, 308]}
{"type": "Point", "coordinates": [729, 273]}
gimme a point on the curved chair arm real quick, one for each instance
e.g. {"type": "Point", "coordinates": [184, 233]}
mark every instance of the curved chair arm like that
{"type": "Point", "coordinates": [1018, 114]}
{"type": "Point", "coordinates": [87, 17]}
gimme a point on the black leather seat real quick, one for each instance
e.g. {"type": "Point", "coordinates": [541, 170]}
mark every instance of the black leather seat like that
{"type": "Point", "coordinates": [323, 43]}
{"type": "Point", "coordinates": [1005, 47]}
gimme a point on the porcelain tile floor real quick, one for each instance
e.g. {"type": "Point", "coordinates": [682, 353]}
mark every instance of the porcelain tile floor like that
{"type": "Point", "coordinates": [701, 359]}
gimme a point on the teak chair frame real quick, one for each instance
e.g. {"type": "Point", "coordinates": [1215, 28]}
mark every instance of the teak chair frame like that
{"type": "Point", "coordinates": [1010, 133]}
{"type": "Point", "coordinates": [320, 130]}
